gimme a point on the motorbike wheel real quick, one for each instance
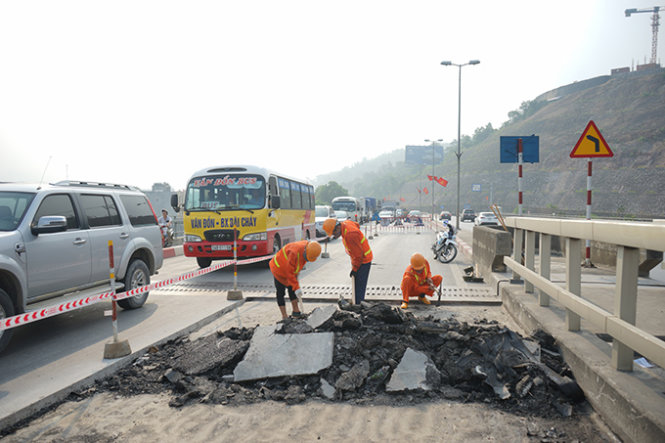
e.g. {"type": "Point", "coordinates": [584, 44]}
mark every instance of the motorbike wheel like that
{"type": "Point", "coordinates": [448, 253]}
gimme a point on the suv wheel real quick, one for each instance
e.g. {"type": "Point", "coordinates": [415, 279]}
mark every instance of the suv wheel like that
{"type": "Point", "coordinates": [6, 310]}
{"type": "Point", "coordinates": [137, 275]}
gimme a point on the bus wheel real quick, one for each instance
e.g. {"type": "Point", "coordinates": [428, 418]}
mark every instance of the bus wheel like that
{"type": "Point", "coordinates": [203, 262]}
{"type": "Point", "coordinates": [276, 244]}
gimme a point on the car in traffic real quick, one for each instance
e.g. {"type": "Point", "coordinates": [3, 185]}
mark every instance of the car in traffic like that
{"type": "Point", "coordinates": [321, 213]}
{"type": "Point", "coordinates": [445, 215]}
{"type": "Point", "coordinates": [468, 215]}
{"type": "Point", "coordinates": [415, 217]}
{"type": "Point", "coordinates": [342, 215]}
{"type": "Point", "coordinates": [55, 241]}
{"type": "Point", "coordinates": [486, 218]}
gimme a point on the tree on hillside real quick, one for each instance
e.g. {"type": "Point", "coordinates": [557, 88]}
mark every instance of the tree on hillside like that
{"type": "Point", "coordinates": [482, 133]}
{"type": "Point", "coordinates": [325, 193]}
{"type": "Point", "coordinates": [527, 109]}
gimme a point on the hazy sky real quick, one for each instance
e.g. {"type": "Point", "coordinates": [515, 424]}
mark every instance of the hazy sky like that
{"type": "Point", "coordinates": [139, 92]}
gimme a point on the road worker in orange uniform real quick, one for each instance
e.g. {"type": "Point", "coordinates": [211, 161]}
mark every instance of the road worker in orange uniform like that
{"type": "Point", "coordinates": [285, 267]}
{"type": "Point", "coordinates": [418, 281]}
{"type": "Point", "coordinates": [357, 247]}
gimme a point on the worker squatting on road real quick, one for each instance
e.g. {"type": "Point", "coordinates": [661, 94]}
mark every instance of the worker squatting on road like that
{"type": "Point", "coordinates": [285, 267]}
{"type": "Point", "coordinates": [418, 281]}
{"type": "Point", "coordinates": [357, 247]}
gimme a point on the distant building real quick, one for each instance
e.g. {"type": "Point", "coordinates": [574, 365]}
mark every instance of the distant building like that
{"type": "Point", "coordinates": [647, 67]}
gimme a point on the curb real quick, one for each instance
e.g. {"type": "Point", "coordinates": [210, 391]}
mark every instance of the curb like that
{"type": "Point", "coordinates": [628, 405]}
{"type": "Point", "coordinates": [466, 249]}
{"type": "Point", "coordinates": [173, 251]}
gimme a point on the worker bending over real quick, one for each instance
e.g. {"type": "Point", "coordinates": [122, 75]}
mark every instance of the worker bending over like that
{"type": "Point", "coordinates": [418, 281]}
{"type": "Point", "coordinates": [285, 267]}
{"type": "Point", "coordinates": [357, 247]}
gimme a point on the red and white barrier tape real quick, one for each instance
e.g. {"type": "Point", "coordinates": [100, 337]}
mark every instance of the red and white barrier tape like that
{"type": "Point", "coordinates": [32, 316]}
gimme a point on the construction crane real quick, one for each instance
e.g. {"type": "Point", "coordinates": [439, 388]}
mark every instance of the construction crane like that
{"type": "Point", "coordinates": [655, 19]}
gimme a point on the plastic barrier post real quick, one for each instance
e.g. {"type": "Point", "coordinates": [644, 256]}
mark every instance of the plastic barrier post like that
{"type": "Point", "coordinates": [235, 293]}
{"type": "Point", "coordinates": [325, 253]}
{"type": "Point", "coordinates": [115, 349]}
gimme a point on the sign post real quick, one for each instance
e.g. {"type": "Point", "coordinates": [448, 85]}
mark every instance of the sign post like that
{"type": "Point", "coordinates": [519, 150]}
{"type": "Point", "coordinates": [591, 144]}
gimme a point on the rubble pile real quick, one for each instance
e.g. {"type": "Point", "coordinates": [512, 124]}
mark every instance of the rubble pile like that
{"type": "Point", "coordinates": [380, 355]}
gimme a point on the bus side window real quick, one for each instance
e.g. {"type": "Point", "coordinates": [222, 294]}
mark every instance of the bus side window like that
{"type": "Point", "coordinates": [304, 192]}
{"type": "Point", "coordinates": [296, 202]}
{"type": "Point", "coordinates": [312, 197]}
{"type": "Point", "coordinates": [272, 191]}
{"type": "Point", "coordinates": [284, 193]}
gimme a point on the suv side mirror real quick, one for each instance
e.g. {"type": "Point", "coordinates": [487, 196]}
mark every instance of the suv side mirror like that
{"type": "Point", "coordinates": [49, 224]}
{"type": "Point", "coordinates": [274, 201]}
{"type": "Point", "coordinates": [174, 202]}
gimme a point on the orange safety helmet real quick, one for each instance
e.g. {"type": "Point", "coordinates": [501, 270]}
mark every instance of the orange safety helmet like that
{"type": "Point", "coordinates": [312, 250]}
{"type": "Point", "coordinates": [329, 225]}
{"type": "Point", "coordinates": [418, 262]}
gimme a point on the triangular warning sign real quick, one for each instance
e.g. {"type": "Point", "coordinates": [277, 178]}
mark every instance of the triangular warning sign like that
{"type": "Point", "coordinates": [591, 144]}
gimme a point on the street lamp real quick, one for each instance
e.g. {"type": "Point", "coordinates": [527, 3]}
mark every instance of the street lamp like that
{"type": "Point", "coordinates": [432, 185]}
{"type": "Point", "coordinates": [459, 118]}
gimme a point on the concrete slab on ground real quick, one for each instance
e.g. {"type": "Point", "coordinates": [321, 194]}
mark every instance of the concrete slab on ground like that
{"type": "Point", "coordinates": [279, 355]}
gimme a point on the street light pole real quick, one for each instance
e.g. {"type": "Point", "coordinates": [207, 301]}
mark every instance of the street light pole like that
{"type": "Point", "coordinates": [459, 122]}
{"type": "Point", "coordinates": [432, 185]}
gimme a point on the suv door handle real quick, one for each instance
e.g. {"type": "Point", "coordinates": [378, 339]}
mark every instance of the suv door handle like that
{"type": "Point", "coordinates": [124, 235]}
{"type": "Point", "coordinates": [79, 241]}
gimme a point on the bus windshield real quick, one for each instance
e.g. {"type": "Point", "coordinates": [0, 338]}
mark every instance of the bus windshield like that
{"type": "Point", "coordinates": [344, 205]}
{"type": "Point", "coordinates": [228, 192]}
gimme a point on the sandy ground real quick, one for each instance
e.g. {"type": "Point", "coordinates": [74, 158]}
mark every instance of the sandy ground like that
{"type": "Point", "coordinates": [107, 417]}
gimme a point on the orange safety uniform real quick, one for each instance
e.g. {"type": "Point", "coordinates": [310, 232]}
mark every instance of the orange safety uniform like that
{"type": "Point", "coordinates": [356, 244]}
{"type": "Point", "coordinates": [288, 262]}
{"type": "Point", "coordinates": [414, 284]}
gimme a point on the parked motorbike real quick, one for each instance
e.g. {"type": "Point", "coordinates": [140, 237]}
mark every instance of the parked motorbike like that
{"type": "Point", "coordinates": [445, 247]}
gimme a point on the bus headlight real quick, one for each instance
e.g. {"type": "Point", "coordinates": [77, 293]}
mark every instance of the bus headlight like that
{"type": "Point", "coordinates": [259, 236]}
{"type": "Point", "coordinates": [189, 238]}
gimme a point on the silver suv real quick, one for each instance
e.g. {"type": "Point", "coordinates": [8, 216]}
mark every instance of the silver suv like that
{"type": "Point", "coordinates": [54, 240]}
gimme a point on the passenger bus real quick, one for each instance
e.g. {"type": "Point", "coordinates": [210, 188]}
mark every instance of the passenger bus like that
{"type": "Point", "coordinates": [349, 204]}
{"type": "Point", "coordinates": [261, 209]}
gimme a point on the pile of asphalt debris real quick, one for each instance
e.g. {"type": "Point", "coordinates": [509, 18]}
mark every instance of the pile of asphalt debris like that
{"type": "Point", "coordinates": [482, 362]}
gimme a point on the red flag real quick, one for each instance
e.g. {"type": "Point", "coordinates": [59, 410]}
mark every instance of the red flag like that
{"type": "Point", "coordinates": [431, 177]}
{"type": "Point", "coordinates": [425, 191]}
{"type": "Point", "coordinates": [442, 181]}
{"type": "Point", "coordinates": [402, 199]}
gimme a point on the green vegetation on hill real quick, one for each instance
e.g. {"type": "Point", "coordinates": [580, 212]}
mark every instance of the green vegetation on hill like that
{"type": "Point", "coordinates": [629, 110]}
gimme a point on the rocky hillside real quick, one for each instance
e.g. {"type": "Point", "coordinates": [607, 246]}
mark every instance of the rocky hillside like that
{"type": "Point", "coordinates": [629, 111]}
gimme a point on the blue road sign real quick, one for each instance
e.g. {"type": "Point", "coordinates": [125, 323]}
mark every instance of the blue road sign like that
{"type": "Point", "coordinates": [509, 149]}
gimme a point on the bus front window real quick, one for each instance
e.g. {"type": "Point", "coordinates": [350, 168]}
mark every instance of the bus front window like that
{"type": "Point", "coordinates": [228, 192]}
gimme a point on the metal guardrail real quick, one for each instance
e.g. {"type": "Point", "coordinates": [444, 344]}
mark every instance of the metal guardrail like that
{"type": "Point", "coordinates": [629, 239]}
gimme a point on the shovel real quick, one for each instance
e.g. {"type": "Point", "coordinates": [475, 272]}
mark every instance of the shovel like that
{"type": "Point", "coordinates": [300, 304]}
{"type": "Point", "coordinates": [353, 290]}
